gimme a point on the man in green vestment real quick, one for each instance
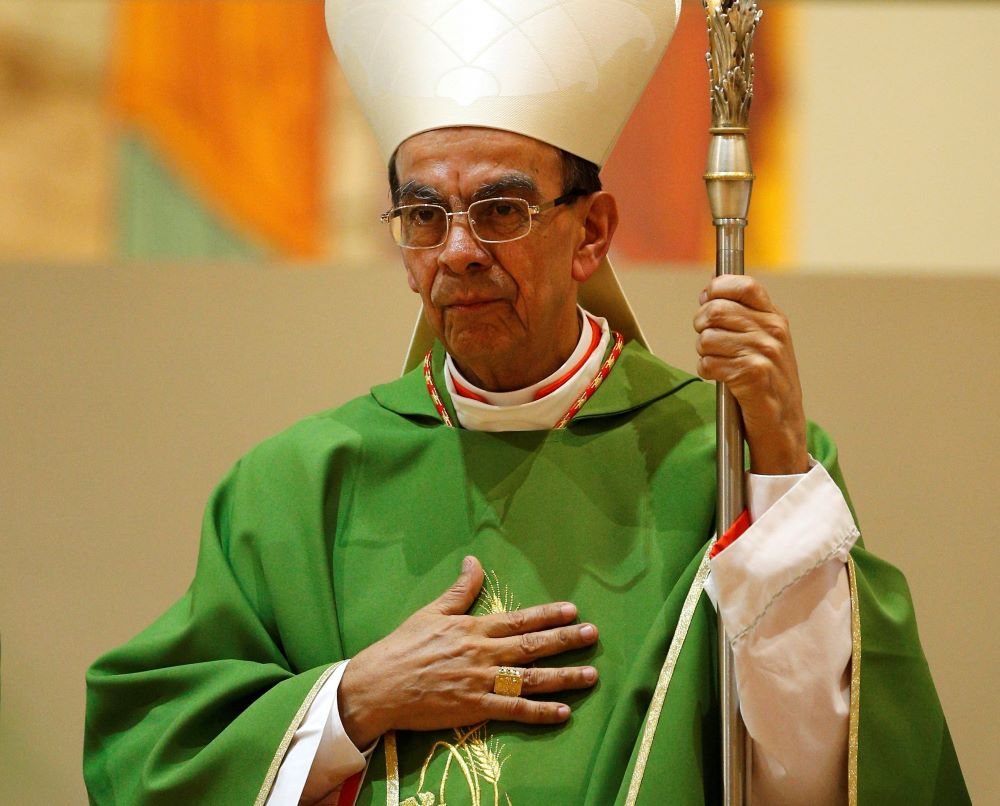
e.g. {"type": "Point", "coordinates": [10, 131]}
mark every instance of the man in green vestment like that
{"type": "Point", "coordinates": [570, 474]}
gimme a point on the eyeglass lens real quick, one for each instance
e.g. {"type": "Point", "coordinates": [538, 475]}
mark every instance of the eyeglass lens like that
{"type": "Point", "coordinates": [495, 220]}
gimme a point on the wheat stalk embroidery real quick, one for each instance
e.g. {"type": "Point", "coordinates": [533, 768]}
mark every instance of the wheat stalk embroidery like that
{"type": "Point", "coordinates": [494, 598]}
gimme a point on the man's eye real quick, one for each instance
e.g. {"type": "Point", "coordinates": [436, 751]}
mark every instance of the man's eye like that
{"type": "Point", "coordinates": [501, 209]}
{"type": "Point", "coordinates": [422, 215]}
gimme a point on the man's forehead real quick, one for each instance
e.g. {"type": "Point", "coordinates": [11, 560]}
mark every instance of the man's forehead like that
{"type": "Point", "coordinates": [474, 156]}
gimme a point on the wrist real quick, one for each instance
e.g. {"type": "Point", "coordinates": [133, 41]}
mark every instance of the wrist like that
{"type": "Point", "coordinates": [781, 466]}
{"type": "Point", "coordinates": [360, 717]}
{"type": "Point", "coordinates": [779, 454]}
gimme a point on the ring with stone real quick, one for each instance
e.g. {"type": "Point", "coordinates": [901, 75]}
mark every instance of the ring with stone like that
{"type": "Point", "coordinates": [508, 681]}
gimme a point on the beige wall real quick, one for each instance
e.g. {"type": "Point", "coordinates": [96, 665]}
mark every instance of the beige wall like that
{"type": "Point", "coordinates": [125, 393]}
{"type": "Point", "coordinates": [892, 115]}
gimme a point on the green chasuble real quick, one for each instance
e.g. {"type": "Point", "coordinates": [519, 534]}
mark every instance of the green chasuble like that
{"type": "Point", "coordinates": [326, 537]}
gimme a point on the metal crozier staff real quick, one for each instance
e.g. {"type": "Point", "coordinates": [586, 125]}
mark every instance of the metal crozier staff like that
{"type": "Point", "coordinates": [729, 180]}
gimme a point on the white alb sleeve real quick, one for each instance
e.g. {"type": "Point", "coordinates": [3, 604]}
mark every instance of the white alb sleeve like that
{"type": "Point", "coordinates": [783, 593]}
{"type": "Point", "coordinates": [321, 756]}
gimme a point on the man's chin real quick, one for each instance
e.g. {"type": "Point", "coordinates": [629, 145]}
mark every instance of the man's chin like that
{"type": "Point", "coordinates": [477, 343]}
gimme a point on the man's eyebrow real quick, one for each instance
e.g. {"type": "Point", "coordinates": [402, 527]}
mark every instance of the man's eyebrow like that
{"type": "Point", "coordinates": [508, 183]}
{"type": "Point", "coordinates": [505, 185]}
{"type": "Point", "coordinates": [420, 192]}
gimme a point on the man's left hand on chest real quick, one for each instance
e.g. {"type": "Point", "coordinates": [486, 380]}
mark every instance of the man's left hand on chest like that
{"type": "Point", "coordinates": [745, 341]}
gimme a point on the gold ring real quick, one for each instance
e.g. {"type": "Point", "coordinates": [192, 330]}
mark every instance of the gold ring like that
{"type": "Point", "coordinates": [508, 681]}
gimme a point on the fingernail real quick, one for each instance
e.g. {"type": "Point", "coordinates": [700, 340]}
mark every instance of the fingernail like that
{"type": "Point", "coordinates": [467, 564]}
{"type": "Point", "coordinates": [568, 610]}
{"type": "Point", "coordinates": [588, 631]}
{"type": "Point", "coordinates": [590, 674]}
{"type": "Point", "coordinates": [703, 298]}
{"type": "Point", "coordinates": [563, 712]}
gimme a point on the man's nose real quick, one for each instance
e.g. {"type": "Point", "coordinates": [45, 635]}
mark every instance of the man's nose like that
{"type": "Point", "coordinates": [462, 252]}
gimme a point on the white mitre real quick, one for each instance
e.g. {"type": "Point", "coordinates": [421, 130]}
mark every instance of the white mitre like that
{"type": "Point", "coordinates": [566, 72]}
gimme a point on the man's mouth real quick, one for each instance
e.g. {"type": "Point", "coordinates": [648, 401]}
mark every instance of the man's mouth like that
{"type": "Point", "coordinates": [469, 305]}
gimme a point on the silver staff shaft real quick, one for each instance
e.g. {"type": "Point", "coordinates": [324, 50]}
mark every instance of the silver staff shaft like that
{"type": "Point", "coordinates": [729, 180]}
{"type": "Point", "coordinates": [729, 506]}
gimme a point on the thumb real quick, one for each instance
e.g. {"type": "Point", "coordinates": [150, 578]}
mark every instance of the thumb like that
{"type": "Point", "coordinates": [459, 597]}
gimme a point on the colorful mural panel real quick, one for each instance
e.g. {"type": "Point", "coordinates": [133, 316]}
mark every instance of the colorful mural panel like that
{"type": "Point", "coordinates": [207, 129]}
{"type": "Point", "coordinates": [220, 103]}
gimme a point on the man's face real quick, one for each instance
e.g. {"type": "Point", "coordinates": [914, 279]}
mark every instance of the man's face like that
{"type": "Point", "coordinates": [493, 303]}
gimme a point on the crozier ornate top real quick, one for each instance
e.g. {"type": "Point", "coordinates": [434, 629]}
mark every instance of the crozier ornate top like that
{"type": "Point", "coordinates": [731, 26]}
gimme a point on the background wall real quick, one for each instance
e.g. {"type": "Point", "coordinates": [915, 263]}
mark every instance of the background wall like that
{"type": "Point", "coordinates": [127, 393]}
{"type": "Point", "coordinates": [889, 119]}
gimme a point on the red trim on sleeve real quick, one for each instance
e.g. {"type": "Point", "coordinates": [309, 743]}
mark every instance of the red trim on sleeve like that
{"type": "Point", "coordinates": [349, 790]}
{"type": "Point", "coordinates": [732, 533]}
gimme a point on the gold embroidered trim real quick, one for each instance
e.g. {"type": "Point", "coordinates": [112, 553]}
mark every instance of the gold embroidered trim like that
{"type": "Point", "coordinates": [279, 754]}
{"type": "Point", "coordinates": [494, 598]}
{"type": "Point", "coordinates": [595, 384]}
{"type": "Point", "coordinates": [852, 733]}
{"type": "Point", "coordinates": [660, 692]}
{"type": "Point", "coordinates": [478, 756]}
{"type": "Point", "coordinates": [391, 770]}
{"type": "Point", "coordinates": [480, 759]}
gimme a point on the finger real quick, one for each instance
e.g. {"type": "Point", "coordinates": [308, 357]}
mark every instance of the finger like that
{"type": "Point", "coordinates": [518, 709]}
{"type": "Point", "coordinates": [746, 371]}
{"type": "Point", "coordinates": [531, 619]}
{"type": "Point", "coordinates": [722, 343]}
{"type": "Point", "coordinates": [730, 344]}
{"type": "Point", "coordinates": [541, 680]}
{"type": "Point", "coordinates": [526, 648]}
{"type": "Point", "coordinates": [459, 597]}
{"type": "Point", "coordinates": [710, 368]}
{"type": "Point", "coordinates": [739, 288]}
{"type": "Point", "coordinates": [725, 314]}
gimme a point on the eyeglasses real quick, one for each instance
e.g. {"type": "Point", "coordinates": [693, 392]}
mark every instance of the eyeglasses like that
{"type": "Point", "coordinates": [426, 226]}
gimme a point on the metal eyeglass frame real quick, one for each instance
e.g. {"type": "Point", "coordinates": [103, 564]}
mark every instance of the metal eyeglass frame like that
{"type": "Point", "coordinates": [533, 210]}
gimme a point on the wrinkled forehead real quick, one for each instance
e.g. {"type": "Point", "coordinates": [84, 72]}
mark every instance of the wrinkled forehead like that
{"type": "Point", "coordinates": [459, 160]}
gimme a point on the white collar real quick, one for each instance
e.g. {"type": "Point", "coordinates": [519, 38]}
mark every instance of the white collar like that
{"type": "Point", "coordinates": [518, 410]}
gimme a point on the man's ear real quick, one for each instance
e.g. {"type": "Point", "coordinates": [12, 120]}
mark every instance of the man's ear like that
{"type": "Point", "coordinates": [598, 229]}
